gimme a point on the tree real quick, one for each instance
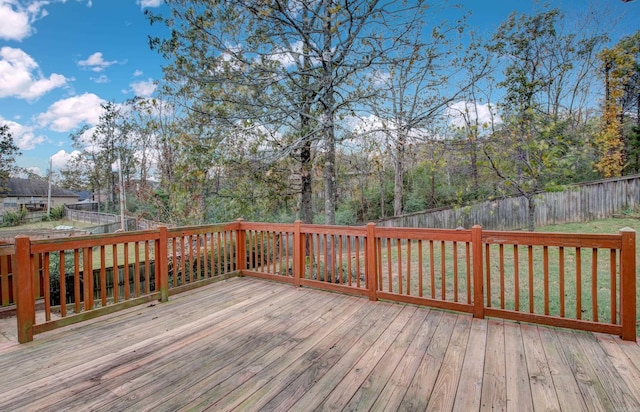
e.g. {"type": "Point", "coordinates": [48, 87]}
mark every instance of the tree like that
{"type": "Point", "coordinates": [621, 72]}
{"type": "Point", "coordinates": [8, 153]}
{"type": "Point", "coordinates": [291, 68]}
{"type": "Point", "coordinates": [415, 84]}
{"type": "Point", "coordinates": [543, 77]}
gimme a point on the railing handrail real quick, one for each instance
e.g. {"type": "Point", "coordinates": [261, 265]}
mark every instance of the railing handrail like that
{"type": "Point", "coordinates": [235, 247]}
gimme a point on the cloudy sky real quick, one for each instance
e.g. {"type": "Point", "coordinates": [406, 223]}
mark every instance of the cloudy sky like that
{"type": "Point", "coordinates": [60, 59]}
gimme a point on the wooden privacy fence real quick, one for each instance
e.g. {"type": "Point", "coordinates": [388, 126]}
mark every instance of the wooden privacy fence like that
{"type": "Point", "coordinates": [580, 281]}
{"type": "Point", "coordinates": [578, 203]}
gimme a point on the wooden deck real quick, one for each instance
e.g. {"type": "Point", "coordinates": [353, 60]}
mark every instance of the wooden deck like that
{"type": "Point", "coordinates": [250, 344]}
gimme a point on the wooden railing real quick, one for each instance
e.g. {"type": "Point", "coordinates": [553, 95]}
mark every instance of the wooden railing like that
{"type": "Point", "coordinates": [580, 281]}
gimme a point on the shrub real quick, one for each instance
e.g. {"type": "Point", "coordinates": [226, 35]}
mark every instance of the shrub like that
{"type": "Point", "coordinates": [14, 218]}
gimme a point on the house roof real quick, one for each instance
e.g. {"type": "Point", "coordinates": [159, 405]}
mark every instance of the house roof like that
{"type": "Point", "coordinates": [18, 187]}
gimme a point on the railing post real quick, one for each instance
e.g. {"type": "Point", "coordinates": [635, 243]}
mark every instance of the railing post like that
{"type": "Point", "coordinates": [25, 297]}
{"type": "Point", "coordinates": [241, 247]}
{"type": "Point", "coordinates": [478, 280]}
{"type": "Point", "coordinates": [628, 284]}
{"type": "Point", "coordinates": [162, 263]}
{"type": "Point", "coordinates": [370, 264]}
{"type": "Point", "coordinates": [298, 253]}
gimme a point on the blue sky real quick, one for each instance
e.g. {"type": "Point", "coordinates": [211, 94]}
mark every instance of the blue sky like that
{"type": "Point", "coordinates": [60, 59]}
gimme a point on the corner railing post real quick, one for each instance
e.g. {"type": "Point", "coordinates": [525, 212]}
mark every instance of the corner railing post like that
{"type": "Point", "coordinates": [370, 265]}
{"type": "Point", "coordinates": [628, 284]}
{"type": "Point", "coordinates": [241, 246]}
{"type": "Point", "coordinates": [162, 262]}
{"type": "Point", "coordinates": [478, 281]}
{"type": "Point", "coordinates": [298, 253]}
{"type": "Point", "coordinates": [25, 297]}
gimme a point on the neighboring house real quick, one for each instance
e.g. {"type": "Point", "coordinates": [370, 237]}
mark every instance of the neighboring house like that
{"type": "Point", "coordinates": [32, 195]}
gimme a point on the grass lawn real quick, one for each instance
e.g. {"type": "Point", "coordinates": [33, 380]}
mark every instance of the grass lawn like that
{"type": "Point", "coordinates": [43, 225]}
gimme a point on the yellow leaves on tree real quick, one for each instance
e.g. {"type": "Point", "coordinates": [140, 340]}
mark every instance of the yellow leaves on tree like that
{"type": "Point", "coordinates": [618, 64]}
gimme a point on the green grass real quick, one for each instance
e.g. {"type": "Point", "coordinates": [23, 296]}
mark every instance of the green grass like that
{"type": "Point", "coordinates": [43, 225]}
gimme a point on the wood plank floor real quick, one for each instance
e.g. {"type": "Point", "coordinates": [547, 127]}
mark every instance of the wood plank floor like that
{"type": "Point", "coordinates": [249, 344]}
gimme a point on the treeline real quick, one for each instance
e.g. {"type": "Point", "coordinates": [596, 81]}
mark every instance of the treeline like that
{"type": "Point", "coordinates": [349, 111]}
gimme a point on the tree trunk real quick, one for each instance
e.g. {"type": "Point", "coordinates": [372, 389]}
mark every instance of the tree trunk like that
{"type": "Point", "coordinates": [531, 216]}
{"type": "Point", "coordinates": [330, 190]}
{"type": "Point", "coordinates": [306, 193]}
{"type": "Point", "coordinates": [328, 127]}
{"type": "Point", "coordinates": [398, 175]}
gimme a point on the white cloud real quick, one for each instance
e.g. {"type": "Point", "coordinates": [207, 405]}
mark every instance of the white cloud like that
{"type": "Point", "coordinates": [149, 3]}
{"type": "Point", "coordinates": [16, 22]}
{"type": "Point", "coordinates": [101, 79]}
{"type": "Point", "coordinates": [20, 76]}
{"type": "Point", "coordinates": [96, 62]}
{"type": "Point", "coordinates": [24, 136]}
{"type": "Point", "coordinates": [67, 114]}
{"type": "Point", "coordinates": [144, 88]}
{"type": "Point", "coordinates": [461, 112]}
{"type": "Point", "coordinates": [137, 73]}
{"type": "Point", "coordinates": [60, 159]}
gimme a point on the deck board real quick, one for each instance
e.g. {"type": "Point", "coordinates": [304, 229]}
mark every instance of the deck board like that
{"type": "Point", "coordinates": [251, 344]}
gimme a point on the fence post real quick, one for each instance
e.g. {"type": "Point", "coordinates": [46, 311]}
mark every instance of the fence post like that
{"type": "Point", "coordinates": [478, 279]}
{"type": "Point", "coordinates": [298, 253]}
{"type": "Point", "coordinates": [370, 264]}
{"type": "Point", "coordinates": [25, 299]}
{"type": "Point", "coordinates": [162, 263]}
{"type": "Point", "coordinates": [628, 284]}
{"type": "Point", "coordinates": [241, 247]}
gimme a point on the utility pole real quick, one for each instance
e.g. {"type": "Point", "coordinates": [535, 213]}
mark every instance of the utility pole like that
{"type": "Point", "coordinates": [49, 191]}
{"type": "Point", "coordinates": [122, 199]}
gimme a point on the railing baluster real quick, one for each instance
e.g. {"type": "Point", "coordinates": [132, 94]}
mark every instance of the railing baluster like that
{"type": "Point", "coordinates": [198, 252]}
{"type": "Point", "coordinates": [468, 259]}
{"type": "Point", "coordinates": [420, 269]}
{"type": "Point", "coordinates": [516, 277]}
{"type": "Point", "coordinates": [455, 271]}
{"type": "Point", "coordinates": [126, 271]}
{"type": "Point", "coordinates": [501, 251]}
{"type": "Point", "coordinates": [116, 273]}
{"type": "Point", "coordinates": [443, 270]}
{"type": "Point", "coordinates": [63, 285]}
{"type": "Point", "coordinates": [103, 276]}
{"type": "Point", "coordinates": [399, 257]}
{"type": "Point", "coordinates": [578, 284]}
{"type": "Point", "coordinates": [389, 263]}
{"type": "Point", "coordinates": [561, 279]}
{"type": "Point", "coordinates": [614, 286]}
{"type": "Point", "coordinates": [76, 280]}
{"type": "Point", "coordinates": [87, 277]}
{"type": "Point", "coordinates": [136, 267]}
{"type": "Point", "coordinates": [487, 255]}
{"type": "Point", "coordinates": [530, 256]}
{"type": "Point", "coordinates": [545, 264]}
{"type": "Point", "coordinates": [594, 284]}
{"type": "Point", "coordinates": [47, 289]}
{"type": "Point", "coordinates": [409, 267]}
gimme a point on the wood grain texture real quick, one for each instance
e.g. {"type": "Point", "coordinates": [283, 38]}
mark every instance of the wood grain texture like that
{"type": "Point", "coordinates": [250, 344]}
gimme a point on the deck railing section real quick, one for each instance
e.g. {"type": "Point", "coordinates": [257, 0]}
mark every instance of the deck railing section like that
{"type": "Point", "coordinates": [333, 258]}
{"type": "Point", "coordinates": [581, 281]}
{"type": "Point", "coordinates": [7, 284]}
{"type": "Point", "coordinates": [89, 276]}
{"type": "Point", "coordinates": [198, 254]}
{"type": "Point", "coordinates": [268, 250]}
{"type": "Point", "coordinates": [425, 266]}
{"type": "Point", "coordinates": [559, 279]}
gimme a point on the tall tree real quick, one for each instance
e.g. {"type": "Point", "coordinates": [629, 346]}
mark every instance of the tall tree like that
{"type": "Point", "coordinates": [415, 83]}
{"type": "Point", "coordinates": [290, 67]}
{"type": "Point", "coordinates": [540, 89]}
{"type": "Point", "coordinates": [621, 73]}
{"type": "Point", "coordinates": [8, 152]}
